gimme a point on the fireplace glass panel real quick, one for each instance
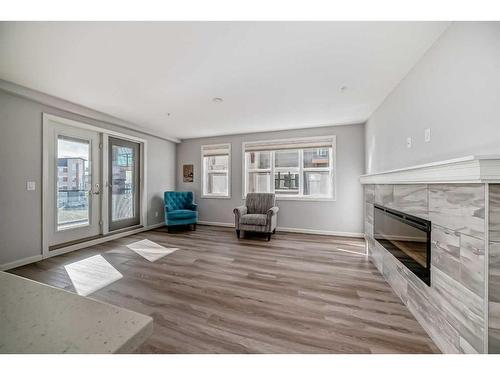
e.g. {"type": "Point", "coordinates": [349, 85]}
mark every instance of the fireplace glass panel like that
{"type": "Point", "coordinates": [406, 237]}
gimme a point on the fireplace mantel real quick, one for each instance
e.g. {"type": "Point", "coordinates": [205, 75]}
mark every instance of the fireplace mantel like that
{"type": "Point", "coordinates": [469, 169]}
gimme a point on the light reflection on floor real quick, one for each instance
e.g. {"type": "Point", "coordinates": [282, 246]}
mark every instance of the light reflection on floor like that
{"type": "Point", "coordinates": [150, 250]}
{"type": "Point", "coordinates": [91, 274]}
{"type": "Point", "coordinates": [351, 251]}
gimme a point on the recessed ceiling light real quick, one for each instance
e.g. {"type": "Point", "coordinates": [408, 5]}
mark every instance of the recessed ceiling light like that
{"type": "Point", "coordinates": [168, 114]}
{"type": "Point", "coordinates": [217, 100]}
{"type": "Point", "coordinates": [343, 88]}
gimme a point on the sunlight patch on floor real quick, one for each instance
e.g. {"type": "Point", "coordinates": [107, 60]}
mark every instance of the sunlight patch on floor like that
{"type": "Point", "coordinates": [91, 274]}
{"type": "Point", "coordinates": [150, 250]}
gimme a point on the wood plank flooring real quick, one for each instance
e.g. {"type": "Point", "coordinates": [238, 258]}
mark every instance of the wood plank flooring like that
{"type": "Point", "coordinates": [295, 294]}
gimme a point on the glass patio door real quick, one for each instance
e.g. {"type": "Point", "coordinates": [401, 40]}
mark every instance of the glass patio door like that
{"type": "Point", "coordinates": [123, 183]}
{"type": "Point", "coordinates": [74, 191]}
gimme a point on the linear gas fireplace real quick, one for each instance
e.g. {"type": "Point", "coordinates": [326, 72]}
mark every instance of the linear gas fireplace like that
{"type": "Point", "coordinates": [406, 237]}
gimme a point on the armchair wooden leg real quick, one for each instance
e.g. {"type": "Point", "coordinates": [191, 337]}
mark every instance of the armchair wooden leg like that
{"type": "Point", "coordinates": [274, 230]}
{"type": "Point", "coordinates": [194, 226]}
{"type": "Point", "coordinates": [269, 236]}
{"type": "Point", "coordinates": [238, 233]}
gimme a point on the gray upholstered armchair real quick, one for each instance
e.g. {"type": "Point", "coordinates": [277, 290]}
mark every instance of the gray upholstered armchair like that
{"type": "Point", "coordinates": [259, 214]}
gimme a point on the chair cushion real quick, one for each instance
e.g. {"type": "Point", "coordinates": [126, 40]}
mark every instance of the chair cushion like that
{"type": "Point", "coordinates": [254, 219]}
{"type": "Point", "coordinates": [178, 200]}
{"type": "Point", "coordinates": [181, 214]}
{"type": "Point", "coordinates": [259, 203]}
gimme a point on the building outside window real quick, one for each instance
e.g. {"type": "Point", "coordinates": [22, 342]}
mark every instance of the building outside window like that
{"type": "Point", "coordinates": [72, 192]}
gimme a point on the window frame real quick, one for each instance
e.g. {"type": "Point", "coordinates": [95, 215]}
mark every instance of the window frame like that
{"type": "Point", "coordinates": [269, 170]}
{"type": "Point", "coordinates": [300, 197]}
{"type": "Point", "coordinates": [296, 169]}
{"type": "Point", "coordinates": [228, 172]}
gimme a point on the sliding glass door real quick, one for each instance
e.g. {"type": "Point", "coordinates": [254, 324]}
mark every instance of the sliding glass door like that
{"type": "Point", "coordinates": [124, 193]}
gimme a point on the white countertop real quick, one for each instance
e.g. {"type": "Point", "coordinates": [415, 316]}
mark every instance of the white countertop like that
{"type": "Point", "coordinates": [37, 318]}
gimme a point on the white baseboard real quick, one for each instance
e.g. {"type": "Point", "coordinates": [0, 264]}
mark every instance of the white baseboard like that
{"type": "Point", "coordinates": [322, 232]}
{"type": "Point", "coordinates": [154, 226]}
{"type": "Point", "coordinates": [20, 262]}
{"type": "Point", "coordinates": [293, 230]}
{"type": "Point", "coordinates": [216, 224]}
{"type": "Point", "coordinates": [67, 249]}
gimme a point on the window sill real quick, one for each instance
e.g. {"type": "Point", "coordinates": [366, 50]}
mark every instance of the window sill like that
{"type": "Point", "coordinates": [216, 196]}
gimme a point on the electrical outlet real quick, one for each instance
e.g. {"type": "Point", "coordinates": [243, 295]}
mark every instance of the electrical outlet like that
{"type": "Point", "coordinates": [408, 142]}
{"type": "Point", "coordinates": [30, 185]}
{"type": "Point", "coordinates": [427, 135]}
{"type": "Point", "coordinates": [156, 213]}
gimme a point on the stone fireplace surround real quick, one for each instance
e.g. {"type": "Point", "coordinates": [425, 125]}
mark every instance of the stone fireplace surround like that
{"type": "Point", "coordinates": [461, 197]}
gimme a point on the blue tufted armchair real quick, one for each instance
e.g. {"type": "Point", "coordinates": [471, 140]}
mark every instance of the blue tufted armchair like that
{"type": "Point", "coordinates": [180, 208]}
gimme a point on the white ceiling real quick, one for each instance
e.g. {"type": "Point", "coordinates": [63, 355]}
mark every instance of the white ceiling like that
{"type": "Point", "coordinates": [271, 75]}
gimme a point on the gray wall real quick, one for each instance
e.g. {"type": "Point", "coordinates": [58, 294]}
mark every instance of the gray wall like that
{"type": "Point", "coordinates": [454, 90]}
{"type": "Point", "coordinates": [343, 215]}
{"type": "Point", "coordinates": [21, 160]}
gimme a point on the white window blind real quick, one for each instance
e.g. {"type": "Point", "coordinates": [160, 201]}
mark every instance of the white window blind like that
{"type": "Point", "coordinates": [325, 142]}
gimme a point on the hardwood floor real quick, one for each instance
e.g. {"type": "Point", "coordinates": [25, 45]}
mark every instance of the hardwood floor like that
{"type": "Point", "coordinates": [295, 294]}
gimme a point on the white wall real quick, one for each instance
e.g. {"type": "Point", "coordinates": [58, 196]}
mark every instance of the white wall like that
{"type": "Point", "coordinates": [454, 90]}
{"type": "Point", "coordinates": [344, 215]}
{"type": "Point", "coordinates": [21, 160]}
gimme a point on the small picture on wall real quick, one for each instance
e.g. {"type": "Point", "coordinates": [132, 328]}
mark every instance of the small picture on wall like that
{"type": "Point", "coordinates": [187, 172]}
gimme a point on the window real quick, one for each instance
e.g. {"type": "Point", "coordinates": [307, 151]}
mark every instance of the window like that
{"type": "Point", "coordinates": [215, 170]}
{"type": "Point", "coordinates": [293, 169]}
{"type": "Point", "coordinates": [286, 172]}
{"type": "Point", "coordinates": [73, 205]}
{"type": "Point", "coordinates": [258, 166]}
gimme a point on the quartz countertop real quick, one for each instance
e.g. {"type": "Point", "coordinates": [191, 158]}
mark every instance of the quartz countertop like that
{"type": "Point", "coordinates": [37, 318]}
